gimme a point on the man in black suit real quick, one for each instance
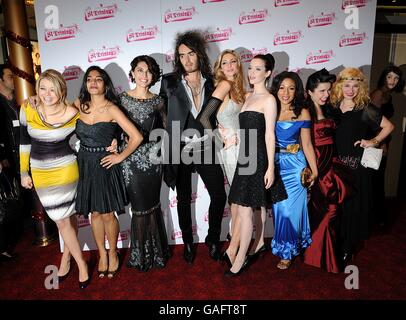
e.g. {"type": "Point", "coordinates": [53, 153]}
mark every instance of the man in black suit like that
{"type": "Point", "coordinates": [186, 91]}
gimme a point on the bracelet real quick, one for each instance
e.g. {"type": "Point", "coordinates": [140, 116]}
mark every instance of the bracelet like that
{"type": "Point", "coordinates": [375, 141]}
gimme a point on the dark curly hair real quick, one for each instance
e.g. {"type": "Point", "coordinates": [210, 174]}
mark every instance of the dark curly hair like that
{"type": "Point", "coordinates": [109, 92]}
{"type": "Point", "coordinates": [392, 68]}
{"type": "Point", "coordinates": [298, 102]}
{"type": "Point", "coordinates": [153, 67]}
{"type": "Point", "coordinates": [313, 81]}
{"type": "Point", "coordinates": [194, 40]}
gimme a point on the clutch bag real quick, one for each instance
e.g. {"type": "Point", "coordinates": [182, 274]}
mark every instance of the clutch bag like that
{"type": "Point", "coordinates": [371, 158]}
{"type": "Point", "coordinates": [305, 176]}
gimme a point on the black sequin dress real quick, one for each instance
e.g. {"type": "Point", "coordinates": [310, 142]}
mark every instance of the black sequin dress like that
{"type": "Point", "coordinates": [143, 179]}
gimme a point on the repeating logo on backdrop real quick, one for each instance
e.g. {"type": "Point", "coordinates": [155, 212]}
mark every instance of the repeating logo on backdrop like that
{"type": "Point", "coordinates": [352, 39]}
{"type": "Point", "coordinates": [176, 234]}
{"type": "Point", "coordinates": [287, 37]}
{"type": "Point", "coordinates": [83, 222]}
{"type": "Point", "coordinates": [356, 3]}
{"type": "Point", "coordinates": [170, 56]}
{"type": "Point", "coordinates": [324, 19]}
{"type": "Point", "coordinates": [319, 56]}
{"type": "Point", "coordinates": [101, 12]}
{"type": "Point", "coordinates": [180, 14]}
{"type": "Point", "coordinates": [218, 35]}
{"type": "Point", "coordinates": [280, 3]}
{"type": "Point", "coordinates": [103, 54]}
{"type": "Point", "coordinates": [71, 73]}
{"type": "Point", "coordinates": [247, 55]}
{"type": "Point", "coordinates": [142, 34]}
{"type": "Point", "coordinates": [173, 202]}
{"type": "Point", "coordinates": [253, 16]}
{"type": "Point", "coordinates": [61, 33]}
{"type": "Point", "coordinates": [124, 235]}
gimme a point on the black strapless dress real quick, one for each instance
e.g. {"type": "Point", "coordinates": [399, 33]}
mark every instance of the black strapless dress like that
{"type": "Point", "coordinates": [99, 189]}
{"type": "Point", "coordinates": [248, 187]}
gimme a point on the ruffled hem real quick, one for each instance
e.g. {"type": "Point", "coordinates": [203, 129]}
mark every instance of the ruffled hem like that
{"type": "Point", "coordinates": [288, 250]}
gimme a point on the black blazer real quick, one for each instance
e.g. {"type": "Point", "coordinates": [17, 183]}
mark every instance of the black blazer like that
{"type": "Point", "coordinates": [177, 107]}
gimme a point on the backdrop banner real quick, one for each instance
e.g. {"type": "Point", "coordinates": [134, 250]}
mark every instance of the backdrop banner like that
{"type": "Point", "coordinates": [303, 35]}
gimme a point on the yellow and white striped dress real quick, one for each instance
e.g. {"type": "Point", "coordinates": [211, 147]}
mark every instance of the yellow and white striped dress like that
{"type": "Point", "coordinates": [45, 151]}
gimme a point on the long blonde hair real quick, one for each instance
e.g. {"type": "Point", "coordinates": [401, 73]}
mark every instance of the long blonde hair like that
{"type": "Point", "coordinates": [58, 82]}
{"type": "Point", "coordinates": [237, 86]}
{"type": "Point", "coordinates": [362, 99]}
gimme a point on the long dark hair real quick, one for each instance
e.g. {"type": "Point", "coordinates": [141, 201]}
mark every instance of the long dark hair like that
{"type": "Point", "coordinates": [321, 76]}
{"type": "Point", "coordinates": [194, 40]}
{"type": "Point", "coordinates": [396, 70]}
{"type": "Point", "coordinates": [298, 102]}
{"type": "Point", "coordinates": [109, 91]}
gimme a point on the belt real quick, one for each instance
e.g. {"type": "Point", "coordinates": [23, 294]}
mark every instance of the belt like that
{"type": "Point", "coordinates": [93, 149]}
{"type": "Point", "coordinates": [290, 148]}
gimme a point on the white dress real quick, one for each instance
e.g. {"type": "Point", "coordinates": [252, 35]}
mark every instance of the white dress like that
{"type": "Point", "coordinates": [228, 119]}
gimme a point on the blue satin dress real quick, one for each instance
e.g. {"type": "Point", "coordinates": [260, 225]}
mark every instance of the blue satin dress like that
{"type": "Point", "coordinates": [291, 220]}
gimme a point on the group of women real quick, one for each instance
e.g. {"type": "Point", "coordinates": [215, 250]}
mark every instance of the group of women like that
{"type": "Point", "coordinates": [295, 129]}
{"type": "Point", "coordinates": [99, 180]}
{"type": "Point", "coordinates": [325, 214]}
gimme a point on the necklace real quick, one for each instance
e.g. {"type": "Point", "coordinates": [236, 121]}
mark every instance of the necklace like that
{"type": "Point", "coordinates": [101, 108]}
{"type": "Point", "coordinates": [195, 86]}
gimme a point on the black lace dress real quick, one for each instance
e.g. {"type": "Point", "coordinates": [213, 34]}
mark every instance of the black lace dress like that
{"type": "Point", "coordinates": [357, 211]}
{"type": "Point", "coordinates": [143, 179]}
{"type": "Point", "coordinates": [248, 187]}
{"type": "Point", "coordinates": [99, 189]}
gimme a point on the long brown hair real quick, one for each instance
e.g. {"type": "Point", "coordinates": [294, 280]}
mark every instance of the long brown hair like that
{"type": "Point", "coordinates": [237, 86]}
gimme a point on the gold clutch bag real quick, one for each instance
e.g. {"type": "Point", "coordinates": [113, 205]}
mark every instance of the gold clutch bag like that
{"type": "Point", "coordinates": [305, 176]}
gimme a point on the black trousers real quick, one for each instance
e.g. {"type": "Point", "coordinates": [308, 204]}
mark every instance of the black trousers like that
{"type": "Point", "coordinates": [213, 177]}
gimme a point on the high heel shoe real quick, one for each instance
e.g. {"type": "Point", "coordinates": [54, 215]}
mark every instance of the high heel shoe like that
{"type": "Point", "coordinates": [251, 258]}
{"type": "Point", "coordinates": [63, 278]}
{"type": "Point", "coordinates": [84, 284]}
{"type": "Point", "coordinates": [103, 273]}
{"type": "Point", "coordinates": [224, 257]}
{"type": "Point", "coordinates": [111, 274]}
{"type": "Point", "coordinates": [259, 251]}
{"type": "Point", "coordinates": [229, 273]}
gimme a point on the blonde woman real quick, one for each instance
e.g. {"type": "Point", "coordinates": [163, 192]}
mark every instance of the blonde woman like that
{"type": "Point", "coordinates": [229, 96]}
{"type": "Point", "coordinates": [49, 164]}
{"type": "Point", "coordinates": [357, 121]}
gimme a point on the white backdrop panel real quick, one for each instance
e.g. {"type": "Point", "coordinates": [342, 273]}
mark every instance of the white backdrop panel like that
{"type": "Point", "coordinates": [303, 36]}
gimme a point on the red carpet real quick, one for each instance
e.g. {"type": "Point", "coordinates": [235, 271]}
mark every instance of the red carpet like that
{"type": "Point", "coordinates": [381, 264]}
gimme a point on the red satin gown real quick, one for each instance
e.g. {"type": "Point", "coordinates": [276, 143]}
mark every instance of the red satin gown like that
{"type": "Point", "coordinates": [327, 194]}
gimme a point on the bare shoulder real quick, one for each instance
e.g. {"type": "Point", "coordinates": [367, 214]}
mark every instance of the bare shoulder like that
{"type": "Point", "coordinates": [111, 107]}
{"type": "Point", "coordinates": [71, 109]}
{"type": "Point", "coordinates": [305, 114]}
{"type": "Point", "coordinates": [76, 103]}
{"type": "Point", "coordinates": [224, 85]}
